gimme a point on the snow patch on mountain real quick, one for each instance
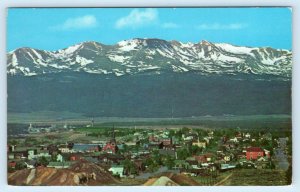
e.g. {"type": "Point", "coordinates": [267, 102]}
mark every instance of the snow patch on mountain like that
{"type": "Point", "coordinates": [235, 49]}
{"type": "Point", "coordinates": [118, 58]}
{"type": "Point", "coordinates": [83, 61]}
{"type": "Point", "coordinates": [14, 60]}
{"type": "Point", "coordinates": [59, 66]}
{"type": "Point", "coordinates": [226, 58]}
{"type": "Point", "coordinates": [68, 51]}
{"type": "Point", "coordinates": [129, 45]}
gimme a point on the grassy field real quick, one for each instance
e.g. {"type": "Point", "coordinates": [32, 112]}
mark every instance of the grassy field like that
{"type": "Point", "coordinates": [252, 177]}
{"type": "Point", "coordinates": [212, 121]}
{"type": "Point", "coordinates": [208, 180]}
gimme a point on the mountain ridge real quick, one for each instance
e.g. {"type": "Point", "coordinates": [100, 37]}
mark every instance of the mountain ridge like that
{"type": "Point", "coordinates": [153, 55]}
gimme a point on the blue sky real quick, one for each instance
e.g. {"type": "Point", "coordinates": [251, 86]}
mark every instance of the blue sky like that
{"type": "Point", "coordinates": [56, 28]}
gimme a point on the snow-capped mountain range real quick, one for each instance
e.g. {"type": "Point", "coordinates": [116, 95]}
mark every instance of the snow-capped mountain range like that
{"type": "Point", "coordinates": [151, 55]}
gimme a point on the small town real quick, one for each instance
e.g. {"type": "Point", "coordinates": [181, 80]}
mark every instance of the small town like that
{"type": "Point", "coordinates": [91, 155]}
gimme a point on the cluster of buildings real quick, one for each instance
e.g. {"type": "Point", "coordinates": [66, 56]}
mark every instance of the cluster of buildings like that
{"type": "Point", "coordinates": [215, 152]}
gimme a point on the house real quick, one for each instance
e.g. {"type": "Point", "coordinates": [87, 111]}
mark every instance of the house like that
{"type": "Point", "coordinates": [91, 159]}
{"type": "Point", "coordinates": [39, 128]}
{"type": "Point", "coordinates": [137, 135]}
{"type": "Point", "coordinates": [209, 156]}
{"type": "Point", "coordinates": [241, 156]}
{"type": "Point", "coordinates": [43, 153]}
{"type": "Point", "coordinates": [11, 148]}
{"type": "Point", "coordinates": [53, 149]}
{"type": "Point", "coordinates": [253, 153]}
{"type": "Point", "coordinates": [59, 165]}
{"type": "Point", "coordinates": [168, 152]}
{"type": "Point", "coordinates": [192, 162]}
{"type": "Point", "coordinates": [166, 141]}
{"type": "Point", "coordinates": [75, 157]}
{"type": "Point", "coordinates": [11, 156]}
{"type": "Point", "coordinates": [238, 135]}
{"type": "Point", "coordinates": [267, 153]}
{"type": "Point", "coordinates": [110, 158]}
{"type": "Point", "coordinates": [153, 145]}
{"type": "Point", "coordinates": [227, 167]}
{"type": "Point", "coordinates": [210, 134]}
{"type": "Point", "coordinates": [31, 154]}
{"type": "Point", "coordinates": [153, 138]}
{"type": "Point", "coordinates": [187, 137]}
{"type": "Point", "coordinates": [78, 147]}
{"type": "Point", "coordinates": [247, 164]}
{"type": "Point", "coordinates": [206, 139]}
{"type": "Point", "coordinates": [110, 147]}
{"type": "Point", "coordinates": [247, 135]}
{"type": "Point", "coordinates": [267, 136]}
{"type": "Point", "coordinates": [121, 146]}
{"type": "Point", "coordinates": [226, 158]}
{"type": "Point", "coordinates": [65, 150]}
{"type": "Point", "coordinates": [262, 163]}
{"type": "Point", "coordinates": [12, 164]}
{"type": "Point", "coordinates": [235, 140]}
{"type": "Point", "coordinates": [117, 170]}
{"type": "Point", "coordinates": [21, 155]}
{"type": "Point", "coordinates": [181, 164]}
{"type": "Point", "coordinates": [201, 159]}
{"type": "Point", "coordinates": [204, 158]}
{"type": "Point", "coordinates": [201, 144]}
{"type": "Point", "coordinates": [59, 158]}
{"type": "Point", "coordinates": [130, 143]}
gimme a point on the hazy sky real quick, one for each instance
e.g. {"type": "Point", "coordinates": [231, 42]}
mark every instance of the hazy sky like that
{"type": "Point", "coordinates": [56, 28]}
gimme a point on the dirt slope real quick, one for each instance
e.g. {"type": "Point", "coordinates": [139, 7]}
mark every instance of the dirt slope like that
{"type": "Point", "coordinates": [81, 173]}
{"type": "Point", "coordinates": [171, 179]}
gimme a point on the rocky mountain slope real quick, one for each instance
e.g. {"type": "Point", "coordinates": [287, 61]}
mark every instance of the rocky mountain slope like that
{"type": "Point", "coordinates": [152, 56]}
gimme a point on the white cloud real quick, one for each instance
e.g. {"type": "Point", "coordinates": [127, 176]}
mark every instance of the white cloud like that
{"type": "Point", "coordinates": [87, 21]}
{"type": "Point", "coordinates": [218, 26]}
{"type": "Point", "coordinates": [170, 25]}
{"type": "Point", "coordinates": [137, 18]}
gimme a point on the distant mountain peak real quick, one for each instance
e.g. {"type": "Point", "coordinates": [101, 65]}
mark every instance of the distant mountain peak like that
{"type": "Point", "coordinates": [151, 55]}
{"type": "Point", "coordinates": [204, 42]}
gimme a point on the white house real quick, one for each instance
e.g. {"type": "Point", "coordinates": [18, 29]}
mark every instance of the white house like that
{"type": "Point", "coordinates": [235, 140]}
{"type": "Point", "coordinates": [60, 165]}
{"type": "Point", "coordinates": [117, 170]}
{"type": "Point", "coordinates": [247, 135]}
{"type": "Point", "coordinates": [59, 158]}
{"type": "Point", "coordinates": [65, 150]}
{"type": "Point", "coordinates": [31, 154]}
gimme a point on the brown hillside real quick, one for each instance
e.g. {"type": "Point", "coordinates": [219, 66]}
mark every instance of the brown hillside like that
{"type": "Point", "coordinates": [176, 179]}
{"type": "Point", "coordinates": [81, 173]}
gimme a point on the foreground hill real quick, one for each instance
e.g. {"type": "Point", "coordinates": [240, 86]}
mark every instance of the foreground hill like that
{"type": "Point", "coordinates": [82, 173]}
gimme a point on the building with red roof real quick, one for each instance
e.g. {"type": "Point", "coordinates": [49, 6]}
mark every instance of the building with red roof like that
{"type": "Point", "coordinates": [253, 153]}
{"type": "Point", "coordinates": [110, 147]}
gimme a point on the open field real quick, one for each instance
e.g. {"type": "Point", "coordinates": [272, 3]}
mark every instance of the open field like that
{"type": "Point", "coordinates": [248, 177]}
{"type": "Point", "coordinates": [226, 121]}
